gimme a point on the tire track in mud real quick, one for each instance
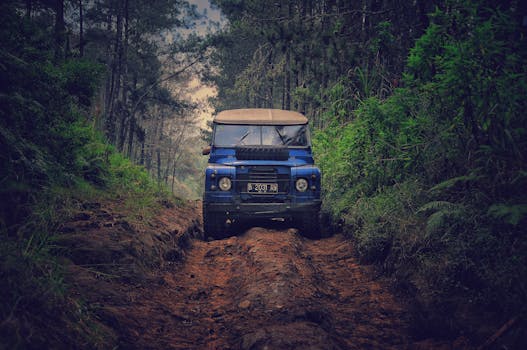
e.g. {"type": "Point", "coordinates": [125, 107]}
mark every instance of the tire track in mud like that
{"type": "Point", "coordinates": [265, 289]}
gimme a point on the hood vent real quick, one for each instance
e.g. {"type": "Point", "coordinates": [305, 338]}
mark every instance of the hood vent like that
{"type": "Point", "coordinates": [262, 153]}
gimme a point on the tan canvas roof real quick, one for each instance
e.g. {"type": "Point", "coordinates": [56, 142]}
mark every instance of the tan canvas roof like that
{"type": "Point", "coordinates": [260, 116]}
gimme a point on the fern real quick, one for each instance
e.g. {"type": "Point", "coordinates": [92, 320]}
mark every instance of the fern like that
{"type": "Point", "coordinates": [440, 214]}
{"type": "Point", "coordinates": [436, 206]}
{"type": "Point", "coordinates": [435, 222]}
{"type": "Point", "coordinates": [448, 184]}
{"type": "Point", "coordinates": [440, 219]}
{"type": "Point", "coordinates": [511, 214]}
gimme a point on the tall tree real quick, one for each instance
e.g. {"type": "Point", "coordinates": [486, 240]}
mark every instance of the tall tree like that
{"type": "Point", "coordinates": [315, 43]}
{"type": "Point", "coordinates": [60, 31]}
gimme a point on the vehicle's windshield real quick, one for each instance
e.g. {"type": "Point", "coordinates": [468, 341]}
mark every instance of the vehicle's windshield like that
{"type": "Point", "coordinates": [257, 135]}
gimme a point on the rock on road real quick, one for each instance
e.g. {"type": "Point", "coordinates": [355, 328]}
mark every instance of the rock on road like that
{"type": "Point", "coordinates": [265, 289]}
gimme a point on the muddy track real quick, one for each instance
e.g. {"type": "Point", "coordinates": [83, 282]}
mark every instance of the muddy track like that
{"type": "Point", "coordinates": [264, 289]}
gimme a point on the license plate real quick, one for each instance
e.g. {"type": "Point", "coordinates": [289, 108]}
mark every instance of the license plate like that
{"type": "Point", "coordinates": [262, 188]}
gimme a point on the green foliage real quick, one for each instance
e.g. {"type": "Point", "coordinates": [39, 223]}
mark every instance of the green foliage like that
{"type": "Point", "coordinates": [52, 160]}
{"type": "Point", "coordinates": [140, 193]}
{"type": "Point", "coordinates": [441, 215]}
{"type": "Point", "coordinates": [377, 220]}
{"type": "Point", "coordinates": [511, 214]}
{"type": "Point", "coordinates": [431, 181]}
{"type": "Point", "coordinates": [80, 78]}
{"type": "Point", "coordinates": [37, 308]}
{"type": "Point", "coordinates": [380, 147]}
{"type": "Point", "coordinates": [287, 54]}
{"type": "Point", "coordinates": [451, 183]}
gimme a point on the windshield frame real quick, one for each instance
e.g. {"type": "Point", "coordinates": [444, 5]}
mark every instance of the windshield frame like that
{"type": "Point", "coordinates": [260, 126]}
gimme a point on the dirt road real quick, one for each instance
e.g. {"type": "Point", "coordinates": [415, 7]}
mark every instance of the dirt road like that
{"type": "Point", "coordinates": [264, 289]}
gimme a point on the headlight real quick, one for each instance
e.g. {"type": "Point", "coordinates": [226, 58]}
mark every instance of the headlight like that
{"type": "Point", "coordinates": [301, 185]}
{"type": "Point", "coordinates": [225, 184]}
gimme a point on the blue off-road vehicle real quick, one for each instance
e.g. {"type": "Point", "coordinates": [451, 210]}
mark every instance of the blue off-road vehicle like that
{"type": "Point", "coordinates": [260, 166]}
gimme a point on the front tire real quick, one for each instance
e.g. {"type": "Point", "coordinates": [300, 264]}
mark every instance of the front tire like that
{"type": "Point", "coordinates": [309, 224]}
{"type": "Point", "coordinates": [214, 225]}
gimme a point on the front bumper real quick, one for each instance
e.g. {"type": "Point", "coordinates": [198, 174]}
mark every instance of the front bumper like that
{"type": "Point", "coordinates": [262, 210]}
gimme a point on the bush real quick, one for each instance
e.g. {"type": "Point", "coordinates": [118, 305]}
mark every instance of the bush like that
{"type": "Point", "coordinates": [431, 181]}
{"type": "Point", "coordinates": [52, 159]}
{"type": "Point", "coordinates": [376, 222]}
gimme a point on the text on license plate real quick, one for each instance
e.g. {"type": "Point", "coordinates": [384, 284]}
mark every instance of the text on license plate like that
{"type": "Point", "coordinates": [262, 188]}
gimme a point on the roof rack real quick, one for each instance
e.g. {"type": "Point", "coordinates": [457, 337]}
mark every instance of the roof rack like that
{"type": "Point", "coordinates": [260, 116]}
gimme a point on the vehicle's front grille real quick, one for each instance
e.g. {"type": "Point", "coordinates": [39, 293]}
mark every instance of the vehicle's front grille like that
{"type": "Point", "coordinates": [261, 153]}
{"type": "Point", "coordinates": [262, 175]}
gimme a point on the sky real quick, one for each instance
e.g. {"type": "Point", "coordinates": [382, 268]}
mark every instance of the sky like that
{"type": "Point", "coordinates": [199, 92]}
{"type": "Point", "coordinates": [212, 14]}
{"type": "Point", "coordinates": [195, 90]}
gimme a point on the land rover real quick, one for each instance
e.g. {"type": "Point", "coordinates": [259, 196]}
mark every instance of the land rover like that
{"type": "Point", "coordinates": [260, 166]}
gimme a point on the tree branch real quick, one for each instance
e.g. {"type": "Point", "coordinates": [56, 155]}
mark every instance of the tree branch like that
{"type": "Point", "coordinates": [162, 80]}
{"type": "Point", "coordinates": [322, 15]}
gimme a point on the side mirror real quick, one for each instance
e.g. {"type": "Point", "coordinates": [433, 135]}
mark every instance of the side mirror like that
{"type": "Point", "coordinates": [206, 151]}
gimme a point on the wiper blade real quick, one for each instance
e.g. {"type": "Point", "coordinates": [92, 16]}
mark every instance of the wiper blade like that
{"type": "Point", "coordinates": [243, 137]}
{"type": "Point", "coordinates": [279, 134]}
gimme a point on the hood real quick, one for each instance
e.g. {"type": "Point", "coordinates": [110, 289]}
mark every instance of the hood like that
{"type": "Point", "coordinates": [292, 157]}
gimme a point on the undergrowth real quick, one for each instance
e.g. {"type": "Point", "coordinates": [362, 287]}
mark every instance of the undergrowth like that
{"type": "Point", "coordinates": [431, 181]}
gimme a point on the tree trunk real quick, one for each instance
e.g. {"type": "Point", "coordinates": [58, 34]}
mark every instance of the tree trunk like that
{"type": "Point", "coordinates": [60, 30]}
{"type": "Point", "coordinates": [131, 133]}
{"type": "Point", "coordinates": [123, 63]}
{"type": "Point", "coordinates": [158, 152]}
{"type": "Point", "coordinates": [173, 177]}
{"type": "Point", "coordinates": [287, 87]}
{"type": "Point", "coordinates": [174, 170]}
{"type": "Point", "coordinates": [287, 68]}
{"type": "Point", "coordinates": [29, 8]}
{"type": "Point", "coordinates": [81, 30]}
{"type": "Point", "coordinates": [169, 155]}
{"type": "Point", "coordinates": [133, 123]}
{"type": "Point", "coordinates": [296, 80]}
{"type": "Point", "coordinates": [158, 147]}
{"type": "Point", "coordinates": [167, 166]}
{"type": "Point", "coordinates": [108, 82]}
{"type": "Point", "coordinates": [270, 102]}
{"type": "Point", "coordinates": [148, 158]}
{"type": "Point", "coordinates": [115, 77]}
{"type": "Point", "coordinates": [142, 157]}
{"type": "Point", "coordinates": [176, 146]}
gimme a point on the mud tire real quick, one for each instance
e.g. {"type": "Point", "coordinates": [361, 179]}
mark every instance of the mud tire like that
{"type": "Point", "coordinates": [213, 225]}
{"type": "Point", "coordinates": [309, 225]}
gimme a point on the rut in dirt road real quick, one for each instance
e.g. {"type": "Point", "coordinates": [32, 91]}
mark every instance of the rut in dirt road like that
{"type": "Point", "coordinates": [266, 289]}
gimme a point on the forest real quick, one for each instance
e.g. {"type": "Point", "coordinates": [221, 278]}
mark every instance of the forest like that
{"type": "Point", "coordinates": [417, 111]}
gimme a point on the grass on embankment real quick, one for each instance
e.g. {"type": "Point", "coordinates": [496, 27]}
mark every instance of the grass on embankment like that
{"type": "Point", "coordinates": [51, 162]}
{"type": "Point", "coordinates": [37, 308]}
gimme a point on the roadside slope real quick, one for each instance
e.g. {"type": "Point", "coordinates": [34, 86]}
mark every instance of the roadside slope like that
{"type": "Point", "coordinates": [107, 256]}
